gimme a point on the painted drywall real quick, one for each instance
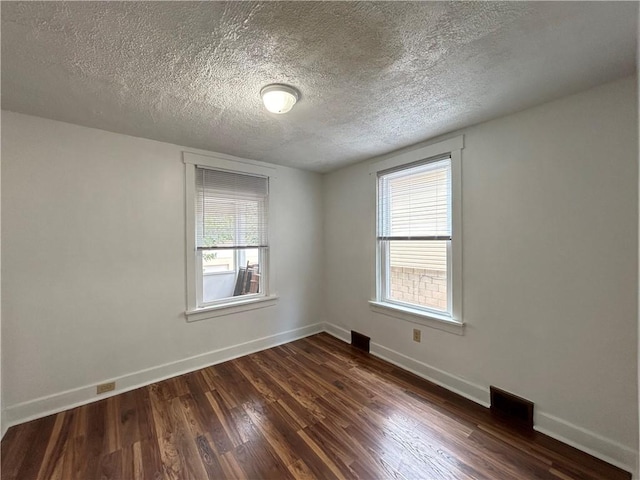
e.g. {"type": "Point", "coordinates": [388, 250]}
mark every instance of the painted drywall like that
{"type": "Point", "coordinates": [2, 422]}
{"type": "Point", "coordinates": [93, 276]}
{"type": "Point", "coordinates": [550, 217]}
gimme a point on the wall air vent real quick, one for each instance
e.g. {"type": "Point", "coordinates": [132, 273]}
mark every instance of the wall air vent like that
{"type": "Point", "coordinates": [510, 407]}
{"type": "Point", "coordinates": [360, 341]}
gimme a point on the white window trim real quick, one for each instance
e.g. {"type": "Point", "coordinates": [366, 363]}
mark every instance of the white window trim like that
{"type": "Point", "coordinates": [421, 317]}
{"type": "Point", "coordinates": [234, 305]}
{"type": "Point", "coordinates": [453, 323]}
{"type": "Point", "coordinates": [228, 308]}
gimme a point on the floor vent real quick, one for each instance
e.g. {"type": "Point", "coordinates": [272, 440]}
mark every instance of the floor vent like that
{"type": "Point", "coordinates": [511, 407]}
{"type": "Point", "coordinates": [360, 341]}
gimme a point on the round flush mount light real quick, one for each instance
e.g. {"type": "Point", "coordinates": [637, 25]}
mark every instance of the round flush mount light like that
{"type": "Point", "coordinates": [279, 98]}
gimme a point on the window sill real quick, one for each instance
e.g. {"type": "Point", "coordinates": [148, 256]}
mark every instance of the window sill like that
{"type": "Point", "coordinates": [230, 308]}
{"type": "Point", "coordinates": [407, 314]}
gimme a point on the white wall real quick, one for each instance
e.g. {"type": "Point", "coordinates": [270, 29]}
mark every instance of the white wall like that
{"type": "Point", "coordinates": [638, 359]}
{"type": "Point", "coordinates": [3, 426]}
{"type": "Point", "coordinates": [550, 227]}
{"type": "Point", "coordinates": [93, 276]}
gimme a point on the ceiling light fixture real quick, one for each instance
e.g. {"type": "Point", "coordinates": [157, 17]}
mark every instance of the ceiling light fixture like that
{"type": "Point", "coordinates": [279, 98]}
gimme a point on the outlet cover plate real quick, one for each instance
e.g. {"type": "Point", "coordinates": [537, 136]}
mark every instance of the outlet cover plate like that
{"type": "Point", "coordinates": [105, 387]}
{"type": "Point", "coordinates": [417, 335]}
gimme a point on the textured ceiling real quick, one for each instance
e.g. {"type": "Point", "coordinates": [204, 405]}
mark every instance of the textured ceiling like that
{"type": "Point", "coordinates": [374, 76]}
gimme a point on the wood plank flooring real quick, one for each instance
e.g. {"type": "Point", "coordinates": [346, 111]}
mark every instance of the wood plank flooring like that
{"type": "Point", "coordinates": [313, 408]}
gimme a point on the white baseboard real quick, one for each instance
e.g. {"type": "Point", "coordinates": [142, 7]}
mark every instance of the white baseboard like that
{"type": "Point", "coordinates": [3, 424]}
{"type": "Point", "coordinates": [458, 385]}
{"type": "Point", "coordinates": [58, 402]}
{"type": "Point", "coordinates": [338, 332]}
{"type": "Point", "coordinates": [446, 380]}
{"type": "Point", "coordinates": [590, 442]}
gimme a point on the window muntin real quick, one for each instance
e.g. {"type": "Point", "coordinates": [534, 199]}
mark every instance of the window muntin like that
{"type": "Point", "coordinates": [231, 235]}
{"type": "Point", "coordinates": [414, 235]}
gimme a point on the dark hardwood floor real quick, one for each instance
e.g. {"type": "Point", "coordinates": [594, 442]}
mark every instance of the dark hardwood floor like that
{"type": "Point", "coordinates": [313, 408]}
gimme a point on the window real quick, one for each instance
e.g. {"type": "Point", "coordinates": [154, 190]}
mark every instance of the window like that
{"type": "Point", "coordinates": [418, 235]}
{"type": "Point", "coordinates": [414, 235]}
{"type": "Point", "coordinates": [227, 234]}
{"type": "Point", "coordinates": [231, 234]}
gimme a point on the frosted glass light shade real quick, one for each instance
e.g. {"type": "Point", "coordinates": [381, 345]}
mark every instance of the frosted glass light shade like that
{"type": "Point", "coordinates": [279, 98]}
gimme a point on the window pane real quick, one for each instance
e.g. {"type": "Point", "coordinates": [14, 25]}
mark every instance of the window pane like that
{"type": "Point", "coordinates": [416, 201]}
{"type": "Point", "coordinates": [218, 261]}
{"type": "Point", "coordinates": [252, 256]}
{"type": "Point", "coordinates": [230, 273]}
{"type": "Point", "coordinates": [230, 209]}
{"type": "Point", "coordinates": [418, 273]}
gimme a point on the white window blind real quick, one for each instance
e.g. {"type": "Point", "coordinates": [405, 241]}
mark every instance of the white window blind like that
{"type": "Point", "coordinates": [415, 203]}
{"type": "Point", "coordinates": [231, 210]}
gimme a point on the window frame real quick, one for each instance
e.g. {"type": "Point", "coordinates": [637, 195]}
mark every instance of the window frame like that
{"type": "Point", "coordinates": [194, 275]}
{"type": "Point", "coordinates": [451, 322]}
{"type": "Point", "coordinates": [384, 245]}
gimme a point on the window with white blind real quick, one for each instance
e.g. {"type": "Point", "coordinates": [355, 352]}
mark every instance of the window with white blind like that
{"type": "Point", "coordinates": [231, 234]}
{"type": "Point", "coordinates": [414, 234]}
{"type": "Point", "coordinates": [418, 210]}
{"type": "Point", "coordinates": [227, 233]}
